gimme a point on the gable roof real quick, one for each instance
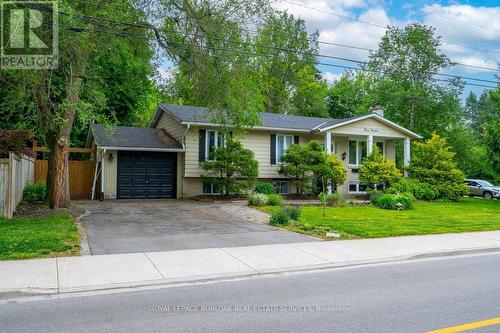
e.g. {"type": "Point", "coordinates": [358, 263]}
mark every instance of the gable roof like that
{"type": "Point", "coordinates": [192, 115]}
{"type": "Point", "coordinates": [122, 137]}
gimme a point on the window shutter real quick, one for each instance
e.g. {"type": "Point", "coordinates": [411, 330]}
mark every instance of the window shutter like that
{"type": "Point", "coordinates": [273, 148]}
{"type": "Point", "coordinates": [201, 152]}
{"type": "Point", "coordinates": [296, 139]}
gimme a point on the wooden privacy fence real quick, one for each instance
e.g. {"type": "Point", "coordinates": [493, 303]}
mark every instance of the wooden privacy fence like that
{"type": "Point", "coordinates": [15, 172]}
{"type": "Point", "coordinates": [81, 173]}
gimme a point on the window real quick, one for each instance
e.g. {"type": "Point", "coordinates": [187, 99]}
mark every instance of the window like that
{"type": "Point", "coordinates": [355, 187]}
{"type": "Point", "coordinates": [281, 186]}
{"type": "Point", "coordinates": [380, 146]}
{"type": "Point", "coordinates": [210, 188]}
{"type": "Point", "coordinates": [357, 151]}
{"type": "Point", "coordinates": [214, 139]}
{"type": "Point", "coordinates": [283, 142]}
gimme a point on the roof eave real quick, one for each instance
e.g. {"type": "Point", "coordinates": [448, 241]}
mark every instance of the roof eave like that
{"type": "Point", "coordinates": [376, 116]}
{"type": "Point", "coordinates": [263, 128]}
{"type": "Point", "coordinates": [166, 150]}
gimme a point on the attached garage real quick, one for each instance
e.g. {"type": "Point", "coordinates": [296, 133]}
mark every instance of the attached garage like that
{"type": "Point", "coordinates": [135, 163]}
{"type": "Point", "coordinates": [144, 175]}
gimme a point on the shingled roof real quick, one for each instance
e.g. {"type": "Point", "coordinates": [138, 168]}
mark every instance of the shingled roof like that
{"type": "Point", "coordinates": [201, 115]}
{"type": "Point", "coordinates": [133, 137]}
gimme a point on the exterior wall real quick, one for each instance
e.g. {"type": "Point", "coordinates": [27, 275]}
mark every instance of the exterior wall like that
{"type": "Point", "coordinates": [369, 126]}
{"type": "Point", "coordinates": [110, 174]}
{"type": "Point", "coordinates": [193, 186]}
{"type": "Point", "coordinates": [171, 126]}
{"type": "Point", "coordinates": [258, 141]}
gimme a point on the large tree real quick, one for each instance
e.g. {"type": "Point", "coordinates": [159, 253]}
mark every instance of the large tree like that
{"type": "Point", "coordinates": [78, 89]}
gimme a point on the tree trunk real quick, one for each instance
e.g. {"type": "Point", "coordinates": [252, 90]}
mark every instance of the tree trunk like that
{"type": "Point", "coordinates": [59, 140]}
{"type": "Point", "coordinates": [57, 175]}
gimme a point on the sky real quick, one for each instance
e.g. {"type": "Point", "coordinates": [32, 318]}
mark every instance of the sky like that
{"type": "Point", "coordinates": [470, 30]}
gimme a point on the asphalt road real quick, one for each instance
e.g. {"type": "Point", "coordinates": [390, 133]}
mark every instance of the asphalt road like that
{"type": "Point", "coordinates": [404, 297]}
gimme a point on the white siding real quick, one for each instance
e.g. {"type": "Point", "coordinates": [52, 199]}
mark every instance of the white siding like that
{"type": "Point", "coordinates": [171, 126]}
{"type": "Point", "coordinates": [110, 175]}
{"type": "Point", "coordinates": [369, 126]}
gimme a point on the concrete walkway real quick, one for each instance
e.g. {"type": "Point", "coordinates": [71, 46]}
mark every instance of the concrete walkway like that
{"type": "Point", "coordinates": [71, 274]}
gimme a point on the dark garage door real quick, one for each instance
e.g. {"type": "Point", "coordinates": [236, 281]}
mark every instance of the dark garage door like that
{"type": "Point", "coordinates": [146, 175]}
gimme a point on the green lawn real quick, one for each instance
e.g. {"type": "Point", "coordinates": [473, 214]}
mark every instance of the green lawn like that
{"type": "Point", "coordinates": [425, 218]}
{"type": "Point", "coordinates": [37, 237]}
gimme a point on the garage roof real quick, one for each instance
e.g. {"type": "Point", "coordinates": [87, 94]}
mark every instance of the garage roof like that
{"type": "Point", "coordinates": [133, 137]}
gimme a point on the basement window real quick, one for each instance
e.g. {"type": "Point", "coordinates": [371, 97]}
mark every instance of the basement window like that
{"type": "Point", "coordinates": [211, 189]}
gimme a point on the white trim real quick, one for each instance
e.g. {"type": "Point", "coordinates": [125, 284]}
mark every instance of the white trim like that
{"type": "Point", "coordinates": [211, 189]}
{"type": "Point", "coordinates": [358, 157]}
{"type": "Point", "coordinates": [357, 183]}
{"type": "Point", "coordinates": [173, 150]}
{"type": "Point", "coordinates": [279, 186]}
{"type": "Point", "coordinates": [216, 142]}
{"type": "Point", "coordinates": [376, 116]}
{"type": "Point", "coordinates": [284, 144]}
{"type": "Point", "coordinates": [383, 142]}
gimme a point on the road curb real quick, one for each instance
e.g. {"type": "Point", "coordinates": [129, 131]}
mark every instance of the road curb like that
{"type": "Point", "coordinates": [8, 295]}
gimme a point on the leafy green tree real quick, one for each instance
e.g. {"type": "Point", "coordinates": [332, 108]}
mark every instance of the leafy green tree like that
{"type": "Point", "coordinates": [433, 163]}
{"type": "Point", "coordinates": [229, 163]}
{"type": "Point", "coordinates": [299, 163]}
{"type": "Point", "coordinates": [62, 101]}
{"type": "Point", "coordinates": [375, 170]}
{"type": "Point", "coordinates": [492, 141]}
{"type": "Point", "coordinates": [207, 43]}
{"type": "Point", "coordinates": [330, 170]}
{"type": "Point", "coordinates": [403, 68]}
{"type": "Point", "coordinates": [290, 81]}
{"type": "Point", "coordinates": [351, 95]}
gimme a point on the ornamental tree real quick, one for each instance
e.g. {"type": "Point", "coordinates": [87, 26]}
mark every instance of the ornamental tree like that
{"type": "Point", "coordinates": [376, 170]}
{"type": "Point", "coordinates": [331, 170]}
{"type": "Point", "coordinates": [299, 163]}
{"type": "Point", "coordinates": [432, 163]}
{"type": "Point", "coordinates": [229, 163]}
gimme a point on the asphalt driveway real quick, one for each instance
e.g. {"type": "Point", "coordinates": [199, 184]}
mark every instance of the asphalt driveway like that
{"type": "Point", "coordinates": [126, 226]}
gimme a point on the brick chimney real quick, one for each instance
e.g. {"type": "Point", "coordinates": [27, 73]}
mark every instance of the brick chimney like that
{"type": "Point", "coordinates": [378, 110]}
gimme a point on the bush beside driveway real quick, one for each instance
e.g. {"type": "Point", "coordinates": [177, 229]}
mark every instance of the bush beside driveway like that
{"type": "Point", "coordinates": [39, 237]}
{"type": "Point", "coordinates": [466, 215]}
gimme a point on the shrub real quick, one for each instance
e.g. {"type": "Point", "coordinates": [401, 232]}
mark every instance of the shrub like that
{"type": "Point", "coordinates": [386, 201]}
{"type": "Point", "coordinates": [376, 170]}
{"type": "Point", "coordinates": [275, 199]}
{"type": "Point", "coordinates": [375, 196]}
{"type": "Point", "coordinates": [292, 212]}
{"type": "Point", "coordinates": [34, 192]}
{"type": "Point", "coordinates": [336, 199]}
{"type": "Point", "coordinates": [227, 164]}
{"type": "Point", "coordinates": [421, 191]}
{"type": "Point", "coordinates": [257, 199]}
{"type": "Point", "coordinates": [264, 188]}
{"type": "Point", "coordinates": [280, 217]}
{"type": "Point", "coordinates": [405, 200]}
{"type": "Point", "coordinates": [392, 201]}
{"type": "Point", "coordinates": [433, 163]}
{"type": "Point", "coordinates": [428, 193]}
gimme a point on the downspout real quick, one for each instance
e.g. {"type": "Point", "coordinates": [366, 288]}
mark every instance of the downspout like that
{"type": "Point", "coordinates": [184, 136]}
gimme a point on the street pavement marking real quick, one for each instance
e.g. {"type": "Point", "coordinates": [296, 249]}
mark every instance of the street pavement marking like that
{"type": "Point", "coordinates": [469, 326]}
